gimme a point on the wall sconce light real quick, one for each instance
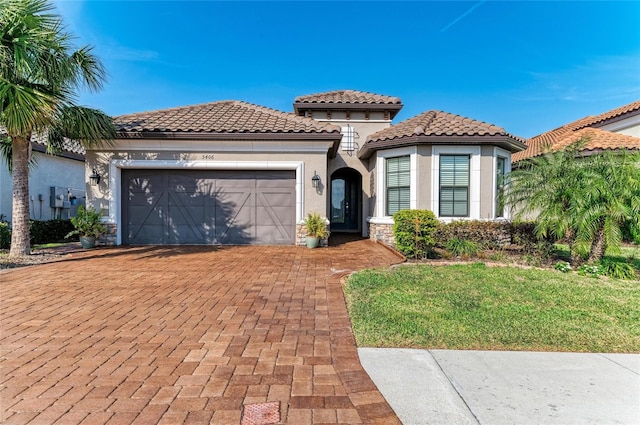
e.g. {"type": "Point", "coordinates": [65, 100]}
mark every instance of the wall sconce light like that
{"type": "Point", "coordinates": [315, 180]}
{"type": "Point", "coordinates": [94, 178]}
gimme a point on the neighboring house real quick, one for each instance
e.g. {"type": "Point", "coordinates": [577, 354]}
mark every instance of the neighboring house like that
{"type": "Point", "coordinates": [231, 172]}
{"type": "Point", "coordinates": [615, 129]}
{"type": "Point", "coordinates": [62, 175]}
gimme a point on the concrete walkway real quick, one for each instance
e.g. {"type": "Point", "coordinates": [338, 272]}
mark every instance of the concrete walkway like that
{"type": "Point", "coordinates": [474, 387]}
{"type": "Point", "coordinates": [173, 335]}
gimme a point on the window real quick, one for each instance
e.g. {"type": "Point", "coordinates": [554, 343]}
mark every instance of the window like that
{"type": "Point", "coordinates": [454, 186]}
{"type": "Point", "coordinates": [500, 171]}
{"type": "Point", "coordinates": [348, 138]}
{"type": "Point", "coordinates": [398, 179]}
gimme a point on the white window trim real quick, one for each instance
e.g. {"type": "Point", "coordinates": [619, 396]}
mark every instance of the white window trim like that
{"type": "Point", "coordinates": [381, 186]}
{"type": "Point", "coordinates": [115, 179]}
{"type": "Point", "coordinates": [502, 153]}
{"type": "Point", "coordinates": [474, 179]}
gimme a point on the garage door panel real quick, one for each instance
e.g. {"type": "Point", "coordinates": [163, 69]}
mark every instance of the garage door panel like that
{"type": "Point", "coordinates": [273, 235]}
{"type": "Point", "coordinates": [269, 198]}
{"type": "Point", "coordinates": [277, 182]}
{"type": "Point", "coordinates": [147, 234]}
{"type": "Point", "coordinates": [235, 234]}
{"type": "Point", "coordinates": [208, 207]}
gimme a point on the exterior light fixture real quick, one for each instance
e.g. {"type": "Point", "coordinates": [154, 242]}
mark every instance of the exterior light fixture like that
{"type": "Point", "coordinates": [94, 178]}
{"type": "Point", "coordinates": [315, 180]}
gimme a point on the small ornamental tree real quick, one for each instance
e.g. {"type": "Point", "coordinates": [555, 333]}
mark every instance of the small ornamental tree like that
{"type": "Point", "coordinates": [414, 232]}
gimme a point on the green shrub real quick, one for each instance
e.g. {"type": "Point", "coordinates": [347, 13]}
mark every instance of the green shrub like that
{"type": "Point", "coordinates": [617, 269]}
{"type": "Point", "coordinates": [462, 247]}
{"type": "Point", "coordinates": [88, 222]}
{"type": "Point", "coordinates": [592, 270]}
{"type": "Point", "coordinates": [414, 232]}
{"type": "Point", "coordinates": [5, 235]}
{"type": "Point", "coordinates": [316, 226]}
{"type": "Point", "coordinates": [48, 231]}
{"type": "Point", "coordinates": [485, 234]}
{"type": "Point", "coordinates": [562, 266]}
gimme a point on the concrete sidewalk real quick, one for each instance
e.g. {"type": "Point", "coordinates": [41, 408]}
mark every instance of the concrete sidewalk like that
{"type": "Point", "coordinates": [479, 387]}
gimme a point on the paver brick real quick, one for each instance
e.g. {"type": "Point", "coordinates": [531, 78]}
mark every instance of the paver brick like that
{"type": "Point", "coordinates": [176, 335]}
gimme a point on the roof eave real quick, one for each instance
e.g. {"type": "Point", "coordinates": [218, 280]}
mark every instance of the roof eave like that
{"type": "Point", "coordinates": [197, 135]}
{"type": "Point", "coordinates": [507, 142]}
{"type": "Point", "coordinates": [334, 137]}
{"type": "Point", "coordinates": [394, 108]}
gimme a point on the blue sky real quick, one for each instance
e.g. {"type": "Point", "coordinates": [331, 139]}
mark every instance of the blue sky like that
{"type": "Point", "coordinates": [526, 66]}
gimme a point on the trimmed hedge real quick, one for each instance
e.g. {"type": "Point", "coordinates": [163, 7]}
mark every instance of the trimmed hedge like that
{"type": "Point", "coordinates": [414, 232]}
{"type": "Point", "coordinates": [494, 235]}
{"type": "Point", "coordinates": [5, 235]}
{"type": "Point", "coordinates": [49, 231]}
{"type": "Point", "coordinates": [40, 232]}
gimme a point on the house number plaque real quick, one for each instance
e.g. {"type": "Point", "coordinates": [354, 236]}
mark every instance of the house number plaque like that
{"type": "Point", "coordinates": [208, 156]}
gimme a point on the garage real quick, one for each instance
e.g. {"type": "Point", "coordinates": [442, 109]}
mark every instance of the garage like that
{"type": "Point", "coordinates": [208, 207]}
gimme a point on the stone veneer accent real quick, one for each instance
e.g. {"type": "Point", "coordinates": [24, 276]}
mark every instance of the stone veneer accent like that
{"type": "Point", "coordinates": [301, 235]}
{"type": "Point", "coordinates": [111, 237]}
{"type": "Point", "coordinates": [382, 233]}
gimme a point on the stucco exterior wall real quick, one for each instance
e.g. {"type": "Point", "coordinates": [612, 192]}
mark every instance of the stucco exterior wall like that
{"type": "Point", "coordinates": [303, 157]}
{"type": "Point", "coordinates": [363, 124]}
{"type": "Point", "coordinates": [50, 171]}
{"type": "Point", "coordinates": [425, 177]}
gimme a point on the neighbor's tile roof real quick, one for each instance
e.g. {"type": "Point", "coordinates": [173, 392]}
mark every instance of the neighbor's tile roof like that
{"type": "Point", "coordinates": [221, 117]}
{"type": "Point", "coordinates": [439, 127]}
{"type": "Point", "coordinates": [602, 139]}
{"type": "Point", "coordinates": [599, 120]}
{"type": "Point", "coordinates": [349, 97]}
{"type": "Point", "coordinates": [69, 146]}
{"type": "Point", "coordinates": [594, 138]}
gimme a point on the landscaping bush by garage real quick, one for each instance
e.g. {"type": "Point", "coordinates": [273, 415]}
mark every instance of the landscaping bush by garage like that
{"type": "Point", "coordinates": [50, 231]}
{"type": "Point", "coordinates": [5, 235]}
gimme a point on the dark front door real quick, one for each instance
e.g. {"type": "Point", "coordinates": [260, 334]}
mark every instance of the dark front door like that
{"type": "Point", "coordinates": [345, 200]}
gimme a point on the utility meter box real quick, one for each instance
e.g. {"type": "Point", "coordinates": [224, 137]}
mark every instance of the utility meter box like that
{"type": "Point", "coordinates": [58, 196]}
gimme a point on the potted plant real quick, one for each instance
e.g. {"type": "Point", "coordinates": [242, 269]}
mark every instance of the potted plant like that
{"type": "Point", "coordinates": [88, 226]}
{"type": "Point", "coordinates": [316, 229]}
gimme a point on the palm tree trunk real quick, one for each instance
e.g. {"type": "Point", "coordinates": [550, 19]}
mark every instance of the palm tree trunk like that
{"type": "Point", "coordinates": [598, 246]}
{"type": "Point", "coordinates": [21, 150]}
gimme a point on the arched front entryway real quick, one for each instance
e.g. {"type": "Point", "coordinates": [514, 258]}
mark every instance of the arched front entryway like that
{"type": "Point", "coordinates": [346, 200]}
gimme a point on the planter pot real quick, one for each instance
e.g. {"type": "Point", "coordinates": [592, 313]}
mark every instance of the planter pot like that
{"type": "Point", "coordinates": [312, 242]}
{"type": "Point", "coordinates": [88, 241]}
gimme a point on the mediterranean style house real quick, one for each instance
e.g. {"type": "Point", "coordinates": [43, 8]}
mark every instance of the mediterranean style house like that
{"type": "Point", "coordinates": [231, 172]}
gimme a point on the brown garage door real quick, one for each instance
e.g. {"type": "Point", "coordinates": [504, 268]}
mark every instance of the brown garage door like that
{"type": "Point", "coordinates": [173, 207]}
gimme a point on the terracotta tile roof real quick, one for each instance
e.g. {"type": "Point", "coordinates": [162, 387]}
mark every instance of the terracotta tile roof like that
{"type": "Point", "coordinates": [595, 138]}
{"type": "Point", "coordinates": [221, 117]}
{"type": "Point", "coordinates": [557, 138]}
{"type": "Point", "coordinates": [439, 127]}
{"type": "Point", "coordinates": [632, 108]}
{"type": "Point", "coordinates": [348, 96]}
{"type": "Point", "coordinates": [352, 100]}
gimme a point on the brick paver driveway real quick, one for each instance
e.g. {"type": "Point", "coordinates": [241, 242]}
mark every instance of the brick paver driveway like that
{"type": "Point", "coordinates": [176, 335]}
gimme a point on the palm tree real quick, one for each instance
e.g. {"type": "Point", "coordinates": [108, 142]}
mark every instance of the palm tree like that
{"type": "Point", "coordinates": [40, 73]}
{"type": "Point", "coordinates": [611, 199]}
{"type": "Point", "coordinates": [545, 187]}
{"type": "Point", "coordinates": [585, 200]}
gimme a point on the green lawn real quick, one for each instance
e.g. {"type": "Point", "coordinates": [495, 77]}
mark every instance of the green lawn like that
{"type": "Point", "coordinates": [473, 306]}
